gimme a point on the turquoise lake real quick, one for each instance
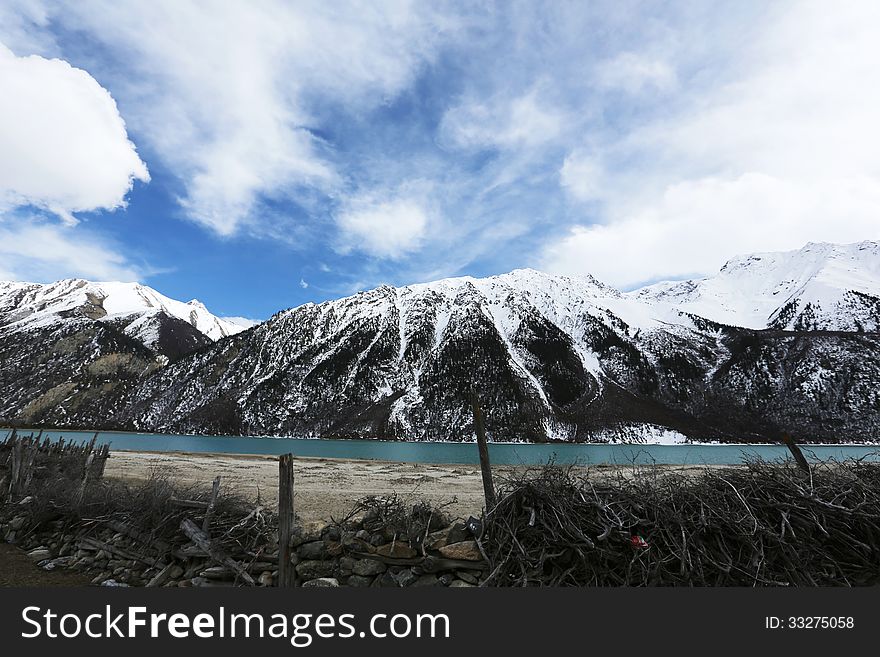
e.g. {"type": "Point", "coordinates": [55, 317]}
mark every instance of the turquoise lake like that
{"type": "Point", "coordinates": [439, 452]}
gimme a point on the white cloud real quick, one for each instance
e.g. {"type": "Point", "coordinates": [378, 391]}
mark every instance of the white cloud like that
{"type": "Point", "coordinates": [31, 251]}
{"type": "Point", "coordinates": [785, 153]}
{"type": "Point", "coordinates": [303, 283]}
{"type": "Point", "coordinates": [63, 144]}
{"type": "Point", "coordinates": [523, 121]}
{"type": "Point", "coordinates": [582, 176]}
{"type": "Point", "coordinates": [383, 227]}
{"type": "Point", "coordinates": [634, 72]}
{"type": "Point", "coordinates": [224, 91]}
{"type": "Point", "coordinates": [698, 224]}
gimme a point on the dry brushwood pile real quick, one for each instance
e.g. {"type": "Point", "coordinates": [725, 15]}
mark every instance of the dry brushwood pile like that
{"type": "Point", "coordinates": [59, 507]}
{"type": "Point", "coordinates": [765, 524]}
{"type": "Point", "coordinates": [159, 533]}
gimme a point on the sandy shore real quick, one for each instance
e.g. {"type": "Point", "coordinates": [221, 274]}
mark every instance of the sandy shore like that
{"type": "Point", "coordinates": [325, 487]}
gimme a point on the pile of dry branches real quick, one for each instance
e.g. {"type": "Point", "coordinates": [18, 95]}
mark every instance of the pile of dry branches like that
{"type": "Point", "coordinates": [759, 525]}
{"type": "Point", "coordinates": [396, 519]}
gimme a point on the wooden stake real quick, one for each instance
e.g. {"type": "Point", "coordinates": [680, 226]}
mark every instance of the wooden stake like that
{"type": "Point", "coordinates": [286, 573]}
{"type": "Point", "coordinates": [215, 490]}
{"type": "Point", "coordinates": [485, 467]}
{"type": "Point", "coordinates": [796, 452]}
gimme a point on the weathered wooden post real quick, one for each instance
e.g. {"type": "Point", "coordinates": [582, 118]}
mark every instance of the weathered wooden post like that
{"type": "Point", "coordinates": [286, 573]}
{"type": "Point", "coordinates": [485, 467]}
{"type": "Point", "coordinates": [215, 491]}
{"type": "Point", "coordinates": [85, 479]}
{"type": "Point", "coordinates": [796, 452]}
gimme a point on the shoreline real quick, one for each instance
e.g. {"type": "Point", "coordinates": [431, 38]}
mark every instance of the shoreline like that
{"type": "Point", "coordinates": [686, 443]}
{"type": "Point", "coordinates": [330, 487]}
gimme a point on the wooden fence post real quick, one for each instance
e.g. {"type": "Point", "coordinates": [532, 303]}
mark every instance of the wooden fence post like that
{"type": "Point", "coordinates": [215, 490]}
{"type": "Point", "coordinates": [796, 452]}
{"type": "Point", "coordinates": [485, 466]}
{"type": "Point", "coordinates": [286, 573]}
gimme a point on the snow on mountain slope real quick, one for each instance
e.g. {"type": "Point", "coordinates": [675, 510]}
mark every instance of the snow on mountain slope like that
{"type": "Point", "coordinates": [134, 306]}
{"type": "Point", "coordinates": [819, 287]}
{"type": "Point", "coordinates": [552, 357]}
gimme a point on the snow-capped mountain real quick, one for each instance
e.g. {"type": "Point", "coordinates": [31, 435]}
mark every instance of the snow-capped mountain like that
{"type": "Point", "coordinates": [551, 357]}
{"type": "Point", "coordinates": [134, 307]}
{"type": "Point", "coordinates": [819, 287]}
{"type": "Point", "coordinates": [68, 348]}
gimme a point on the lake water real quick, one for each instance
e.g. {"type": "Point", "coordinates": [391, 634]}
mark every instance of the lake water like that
{"type": "Point", "coordinates": [438, 452]}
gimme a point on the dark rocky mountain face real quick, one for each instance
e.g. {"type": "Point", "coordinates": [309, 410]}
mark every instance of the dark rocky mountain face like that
{"type": "Point", "coordinates": [75, 373]}
{"type": "Point", "coordinates": [400, 364]}
{"type": "Point", "coordinates": [551, 358]}
{"type": "Point", "coordinates": [65, 361]}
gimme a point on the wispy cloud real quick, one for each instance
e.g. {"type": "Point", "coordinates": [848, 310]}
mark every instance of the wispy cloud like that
{"type": "Point", "coordinates": [384, 225]}
{"type": "Point", "coordinates": [224, 93]}
{"type": "Point", "coordinates": [782, 152]}
{"type": "Point", "coordinates": [400, 141]}
{"type": "Point", "coordinates": [33, 250]}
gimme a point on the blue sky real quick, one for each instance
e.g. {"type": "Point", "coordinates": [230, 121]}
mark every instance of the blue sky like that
{"type": "Point", "coordinates": [261, 155]}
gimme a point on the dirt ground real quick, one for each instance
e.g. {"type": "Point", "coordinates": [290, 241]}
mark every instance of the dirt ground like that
{"type": "Point", "coordinates": [16, 569]}
{"type": "Point", "coordinates": [326, 488]}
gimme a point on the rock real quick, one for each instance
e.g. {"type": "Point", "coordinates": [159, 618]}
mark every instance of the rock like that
{"type": "Point", "coordinates": [464, 550]}
{"type": "Point", "coordinates": [386, 579]}
{"type": "Point", "coordinates": [266, 579]}
{"type": "Point", "coordinates": [314, 550]}
{"type": "Point", "coordinates": [308, 533]}
{"type": "Point", "coordinates": [176, 572]}
{"type": "Point", "coordinates": [332, 533]}
{"type": "Point", "coordinates": [458, 533]}
{"type": "Point", "coordinates": [308, 570]}
{"type": "Point", "coordinates": [358, 581]}
{"type": "Point", "coordinates": [377, 539]}
{"type": "Point", "coordinates": [58, 562]}
{"type": "Point", "coordinates": [362, 535]}
{"type": "Point", "coordinates": [334, 548]}
{"type": "Point", "coordinates": [98, 579]}
{"type": "Point", "coordinates": [260, 566]}
{"type": "Point", "coordinates": [397, 550]}
{"type": "Point", "coordinates": [17, 523]}
{"type": "Point", "coordinates": [368, 567]}
{"type": "Point", "coordinates": [427, 580]}
{"type": "Point", "coordinates": [204, 582]}
{"type": "Point", "coordinates": [468, 577]}
{"type": "Point", "coordinates": [460, 584]}
{"type": "Point", "coordinates": [406, 578]}
{"type": "Point", "coordinates": [217, 572]}
{"type": "Point", "coordinates": [184, 584]}
{"type": "Point", "coordinates": [322, 582]}
{"type": "Point", "coordinates": [346, 564]}
{"type": "Point", "coordinates": [436, 540]}
{"type": "Point", "coordinates": [39, 554]}
{"type": "Point", "coordinates": [113, 582]}
{"type": "Point", "coordinates": [446, 579]}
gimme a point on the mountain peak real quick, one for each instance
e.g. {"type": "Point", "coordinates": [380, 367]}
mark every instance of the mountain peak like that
{"type": "Point", "coordinates": [819, 286]}
{"type": "Point", "coordinates": [30, 304]}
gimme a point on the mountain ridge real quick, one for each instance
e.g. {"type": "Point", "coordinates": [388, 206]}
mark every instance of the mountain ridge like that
{"type": "Point", "coordinates": [553, 358]}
